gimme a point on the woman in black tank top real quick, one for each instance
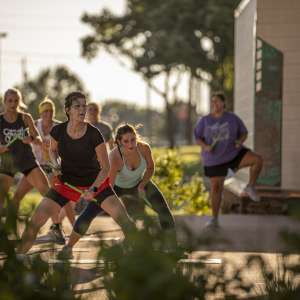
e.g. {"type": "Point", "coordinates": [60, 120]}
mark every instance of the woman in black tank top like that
{"type": "Point", "coordinates": [84, 167]}
{"type": "Point", "coordinates": [17, 132]}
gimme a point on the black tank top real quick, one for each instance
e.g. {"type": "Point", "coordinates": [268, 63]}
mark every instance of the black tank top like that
{"type": "Point", "coordinates": [22, 154]}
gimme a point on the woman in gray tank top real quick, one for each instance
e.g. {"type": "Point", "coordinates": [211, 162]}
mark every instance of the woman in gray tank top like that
{"type": "Point", "coordinates": [132, 168]}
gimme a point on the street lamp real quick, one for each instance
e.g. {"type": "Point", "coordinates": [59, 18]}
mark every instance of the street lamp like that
{"type": "Point", "coordinates": [3, 35]}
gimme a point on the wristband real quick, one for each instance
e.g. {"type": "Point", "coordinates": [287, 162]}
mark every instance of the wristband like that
{"type": "Point", "coordinates": [93, 189]}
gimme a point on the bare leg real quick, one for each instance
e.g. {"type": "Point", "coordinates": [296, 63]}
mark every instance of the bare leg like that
{"type": "Point", "coordinates": [39, 180]}
{"type": "Point", "coordinates": [68, 211]}
{"type": "Point", "coordinates": [44, 211]}
{"type": "Point", "coordinates": [255, 162]}
{"type": "Point", "coordinates": [216, 189]}
{"type": "Point", "coordinates": [116, 209]}
{"type": "Point", "coordinates": [113, 206]}
{"type": "Point", "coordinates": [22, 189]}
{"type": "Point", "coordinates": [5, 183]}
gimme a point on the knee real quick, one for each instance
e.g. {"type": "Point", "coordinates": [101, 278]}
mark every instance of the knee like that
{"type": "Point", "coordinates": [259, 161]}
{"type": "Point", "coordinates": [82, 224]}
{"type": "Point", "coordinates": [81, 227]}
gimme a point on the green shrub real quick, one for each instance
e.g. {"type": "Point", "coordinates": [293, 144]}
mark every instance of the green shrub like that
{"type": "Point", "coordinates": [187, 194]}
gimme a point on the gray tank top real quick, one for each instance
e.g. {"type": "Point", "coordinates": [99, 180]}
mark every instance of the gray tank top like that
{"type": "Point", "coordinates": [127, 178]}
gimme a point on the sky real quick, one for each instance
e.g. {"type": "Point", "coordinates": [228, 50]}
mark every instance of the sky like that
{"type": "Point", "coordinates": [46, 33]}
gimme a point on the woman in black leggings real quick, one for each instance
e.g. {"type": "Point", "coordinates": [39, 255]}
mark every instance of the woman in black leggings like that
{"type": "Point", "coordinates": [131, 169]}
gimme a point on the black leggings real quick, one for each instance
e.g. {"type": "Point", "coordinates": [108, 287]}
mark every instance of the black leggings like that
{"type": "Point", "coordinates": [84, 220]}
{"type": "Point", "coordinates": [154, 197]}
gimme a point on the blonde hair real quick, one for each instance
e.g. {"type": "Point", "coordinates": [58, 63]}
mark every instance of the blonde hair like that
{"type": "Point", "coordinates": [96, 105]}
{"type": "Point", "coordinates": [47, 101]}
{"type": "Point", "coordinates": [16, 92]}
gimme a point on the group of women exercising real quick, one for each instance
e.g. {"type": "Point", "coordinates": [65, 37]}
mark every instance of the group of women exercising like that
{"type": "Point", "coordinates": [69, 161]}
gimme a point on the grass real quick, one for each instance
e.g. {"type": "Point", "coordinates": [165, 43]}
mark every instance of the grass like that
{"type": "Point", "coordinates": [29, 203]}
{"type": "Point", "coordinates": [190, 155]}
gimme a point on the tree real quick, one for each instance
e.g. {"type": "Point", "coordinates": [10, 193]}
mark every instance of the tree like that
{"type": "Point", "coordinates": [116, 112]}
{"type": "Point", "coordinates": [160, 38]}
{"type": "Point", "coordinates": [55, 83]}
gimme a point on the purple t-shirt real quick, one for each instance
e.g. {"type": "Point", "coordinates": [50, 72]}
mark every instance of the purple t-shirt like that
{"type": "Point", "coordinates": [225, 131]}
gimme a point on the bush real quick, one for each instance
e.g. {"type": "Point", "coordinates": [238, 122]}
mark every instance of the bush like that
{"type": "Point", "coordinates": [30, 278]}
{"type": "Point", "coordinates": [182, 193]}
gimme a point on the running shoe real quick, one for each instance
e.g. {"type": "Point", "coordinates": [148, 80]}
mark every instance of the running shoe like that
{"type": "Point", "coordinates": [56, 234]}
{"type": "Point", "coordinates": [212, 224]}
{"type": "Point", "coordinates": [251, 193]}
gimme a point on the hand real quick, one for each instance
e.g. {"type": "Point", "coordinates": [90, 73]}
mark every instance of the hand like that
{"type": "Point", "coordinates": [56, 172]}
{"type": "Point", "coordinates": [207, 148]}
{"type": "Point", "coordinates": [87, 195]}
{"type": "Point", "coordinates": [45, 145]}
{"type": "Point", "coordinates": [238, 144]}
{"type": "Point", "coordinates": [141, 189]}
{"type": "Point", "coordinates": [27, 139]}
{"type": "Point", "coordinates": [3, 149]}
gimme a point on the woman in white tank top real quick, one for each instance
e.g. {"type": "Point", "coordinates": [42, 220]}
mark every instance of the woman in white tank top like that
{"type": "Point", "coordinates": [131, 170]}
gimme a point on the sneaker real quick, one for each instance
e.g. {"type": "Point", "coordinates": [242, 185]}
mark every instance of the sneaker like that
{"type": "Point", "coordinates": [56, 234]}
{"type": "Point", "coordinates": [65, 253]}
{"type": "Point", "coordinates": [251, 193]}
{"type": "Point", "coordinates": [212, 224]}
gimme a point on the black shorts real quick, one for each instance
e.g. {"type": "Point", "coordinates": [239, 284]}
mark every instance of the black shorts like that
{"type": "Point", "coordinates": [222, 170]}
{"type": "Point", "coordinates": [63, 200]}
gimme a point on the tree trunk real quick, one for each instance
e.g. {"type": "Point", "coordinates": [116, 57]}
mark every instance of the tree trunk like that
{"type": "Point", "coordinates": [170, 125]}
{"type": "Point", "coordinates": [169, 129]}
{"type": "Point", "coordinates": [189, 121]}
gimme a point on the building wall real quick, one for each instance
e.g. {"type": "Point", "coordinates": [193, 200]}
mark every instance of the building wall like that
{"type": "Point", "coordinates": [244, 65]}
{"type": "Point", "coordinates": [278, 23]}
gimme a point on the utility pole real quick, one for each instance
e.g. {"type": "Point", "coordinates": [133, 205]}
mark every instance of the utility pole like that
{"type": "Point", "coordinates": [3, 35]}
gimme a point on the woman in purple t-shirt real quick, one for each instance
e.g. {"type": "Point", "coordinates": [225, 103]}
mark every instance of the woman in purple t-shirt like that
{"type": "Point", "coordinates": [221, 136]}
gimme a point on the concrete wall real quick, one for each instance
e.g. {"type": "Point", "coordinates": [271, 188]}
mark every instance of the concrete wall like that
{"type": "Point", "coordinates": [244, 64]}
{"type": "Point", "coordinates": [278, 23]}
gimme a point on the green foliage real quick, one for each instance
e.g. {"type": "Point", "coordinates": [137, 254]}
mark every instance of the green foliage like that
{"type": "Point", "coordinates": [168, 38]}
{"type": "Point", "coordinates": [30, 278]}
{"type": "Point", "coordinates": [55, 83]}
{"type": "Point", "coordinates": [140, 269]}
{"type": "Point", "coordinates": [187, 195]}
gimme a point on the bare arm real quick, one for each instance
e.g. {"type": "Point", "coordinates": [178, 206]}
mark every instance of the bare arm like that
{"type": "Point", "coordinates": [110, 144]}
{"type": "Point", "coordinates": [240, 141]}
{"type": "Point", "coordinates": [115, 166]}
{"type": "Point", "coordinates": [102, 157]}
{"type": "Point", "coordinates": [146, 150]}
{"type": "Point", "coordinates": [33, 132]}
{"type": "Point", "coordinates": [53, 154]}
{"type": "Point", "coordinates": [203, 145]}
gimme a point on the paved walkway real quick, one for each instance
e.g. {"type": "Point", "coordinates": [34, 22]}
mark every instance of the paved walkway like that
{"type": "Point", "coordinates": [239, 236]}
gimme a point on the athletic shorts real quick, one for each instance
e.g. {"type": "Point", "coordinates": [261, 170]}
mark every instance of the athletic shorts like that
{"type": "Point", "coordinates": [222, 170]}
{"type": "Point", "coordinates": [62, 194]}
{"type": "Point", "coordinates": [11, 170]}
